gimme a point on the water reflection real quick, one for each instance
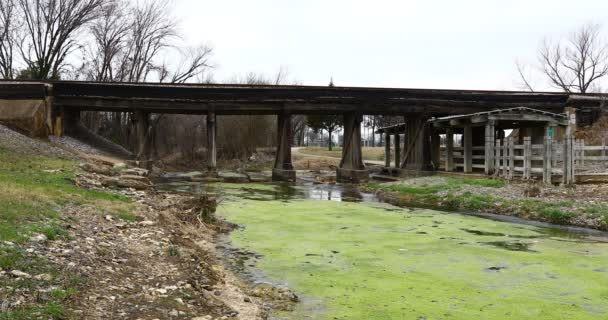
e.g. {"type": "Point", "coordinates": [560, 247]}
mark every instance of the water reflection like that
{"type": "Point", "coordinates": [277, 191]}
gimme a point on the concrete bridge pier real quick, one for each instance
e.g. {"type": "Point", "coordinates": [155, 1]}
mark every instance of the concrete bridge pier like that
{"type": "Point", "coordinates": [417, 153]}
{"type": "Point", "coordinates": [283, 168]}
{"type": "Point", "coordinates": [142, 124]}
{"type": "Point", "coordinates": [352, 169]}
{"type": "Point", "coordinates": [211, 142]}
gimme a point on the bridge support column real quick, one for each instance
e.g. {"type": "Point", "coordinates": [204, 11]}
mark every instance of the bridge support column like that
{"type": "Point", "coordinates": [387, 149]}
{"type": "Point", "coordinates": [70, 120]}
{"type": "Point", "coordinates": [435, 148]}
{"type": "Point", "coordinates": [211, 143]}
{"type": "Point", "coordinates": [142, 123]}
{"type": "Point", "coordinates": [283, 168]}
{"type": "Point", "coordinates": [397, 149]}
{"type": "Point", "coordinates": [351, 167]}
{"type": "Point", "coordinates": [417, 155]}
{"type": "Point", "coordinates": [467, 141]}
{"type": "Point", "coordinates": [449, 150]}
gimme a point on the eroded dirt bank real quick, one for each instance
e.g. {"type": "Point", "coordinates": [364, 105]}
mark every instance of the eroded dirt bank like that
{"type": "Point", "coordinates": [80, 240]}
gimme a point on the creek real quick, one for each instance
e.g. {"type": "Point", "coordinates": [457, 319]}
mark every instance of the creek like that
{"type": "Point", "coordinates": [349, 256]}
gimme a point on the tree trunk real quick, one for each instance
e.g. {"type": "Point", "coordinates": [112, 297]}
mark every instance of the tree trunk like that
{"type": "Point", "coordinates": [330, 141]}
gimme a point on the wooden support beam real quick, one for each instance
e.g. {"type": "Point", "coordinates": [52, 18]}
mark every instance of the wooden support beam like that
{"type": "Point", "coordinates": [283, 168]}
{"type": "Point", "coordinates": [489, 149]}
{"type": "Point", "coordinates": [387, 149]}
{"type": "Point", "coordinates": [511, 143]}
{"type": "Point", "coordinates": [397, 149]}
{"type": "Point", "coordinates": [468, 149]}
{"type": "Point", "coordinates": [547, 159]}
{"type": "Point", "coordinates": [211, 141]}
{"type": "Point", "coordinates": [351, 167]}
{"type": "Point", "coordinates": [497, 157]}
{"type": "Point", "coordinates": [449, 150]}
{"type": "Point", "coordinates": [527, 158]}
{"type": "Point", "coordinates": [435, 148]}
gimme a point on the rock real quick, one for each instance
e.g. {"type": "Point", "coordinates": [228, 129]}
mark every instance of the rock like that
{"type": "Point", "coordinates": [134, 177]}
{"type": "Point", "coordinates": [44, 277]}
{"type": "Point", "coordinates": [147, 223]}
{"type": "Point", "coordinates": [183, 176]}
{"type": "Point", "coordinates": [233, 177]}
{"type": "Point", "coordinates": [20, 274]}
{"type": "Point", "coordinates": [174, 313]}
{"type": "Point", "coordinates": [203, 318]}
{"type": "Point", "coordinates": [136, 184]}
{"type": "Point", "coordinates": [135, 172]}
{"type": "Point", "coordinates": [94, 168]}
{"type": "Point", "coordinates": [38, 238]}
{"type": "Point", "coordinates": [258, 177]}
{"type": "Point", "coordinates": [109, 182]}
{"type": "Point", "coordinates": [247, 299]}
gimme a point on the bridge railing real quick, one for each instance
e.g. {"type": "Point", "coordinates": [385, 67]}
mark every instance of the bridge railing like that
{"type": "Point", "coordinates": [553, 159]}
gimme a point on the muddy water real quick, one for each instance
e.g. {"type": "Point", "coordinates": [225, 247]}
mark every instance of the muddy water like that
{"type": "Point", "coordinates": [351, 257]}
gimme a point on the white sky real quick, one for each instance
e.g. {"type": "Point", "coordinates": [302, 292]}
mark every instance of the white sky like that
{"type": "Point", "coordinates": [459, 44]}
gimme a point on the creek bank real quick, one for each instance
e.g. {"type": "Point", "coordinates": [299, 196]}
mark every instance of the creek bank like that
{"type": "Point", "coordinates": [581, 205]}
{"type": "Point", "coordinates": [186, 231]}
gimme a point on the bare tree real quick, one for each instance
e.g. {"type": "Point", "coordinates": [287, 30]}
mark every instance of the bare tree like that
{"type": "Point", "coordinates": [574, 64]}
{"type": "Point", "coordinates": [50, 32]}
{"type": "Point", "coordinates": [109, 33]}
{"type": "Point", "coordinates": [194, 62]}
{"type": "Point", "coordinates": [8, 19]}
{"type": "Point", "coordinates": [151, 32]}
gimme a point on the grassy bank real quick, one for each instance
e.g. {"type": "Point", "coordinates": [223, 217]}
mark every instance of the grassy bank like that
{"type": "Point", "coordinates": [369, 153]}
{"type": "Point", "coordinates": [493, 196]}
{"type": "Point", "coordinates": [34, 190]}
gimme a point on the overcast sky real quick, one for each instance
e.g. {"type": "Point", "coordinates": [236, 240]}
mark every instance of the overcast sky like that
{"type": "Point", "coordinates": [462, 44]}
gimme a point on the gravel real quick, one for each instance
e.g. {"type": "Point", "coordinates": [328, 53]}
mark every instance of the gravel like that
{"type": "Point", "coordinates": [23, 144]}
{"type": "Point", "coordinates": [76, 145]}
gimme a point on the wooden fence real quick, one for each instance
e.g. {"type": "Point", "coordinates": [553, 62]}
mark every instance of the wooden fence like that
{"type": "Point", "coordinates": [506, 159]}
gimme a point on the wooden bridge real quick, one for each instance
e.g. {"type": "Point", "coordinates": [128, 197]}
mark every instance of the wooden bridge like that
{"type": "Point", "coordinates": [66, 99]}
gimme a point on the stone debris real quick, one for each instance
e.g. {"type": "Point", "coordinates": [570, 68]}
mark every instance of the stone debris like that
{"type": "Point", "coordinates": [20, 274]}
{"type": "Point", "coordinates": [38, 238]}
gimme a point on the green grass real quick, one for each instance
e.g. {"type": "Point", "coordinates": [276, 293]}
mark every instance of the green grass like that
{"type": "Point", "coordinates": [444, 196]}
{"type": "Point", "coordinates": [33, 192]}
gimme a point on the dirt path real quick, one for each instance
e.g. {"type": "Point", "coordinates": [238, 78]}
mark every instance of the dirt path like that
{"type": "Point", "coordinates": [298, 154]}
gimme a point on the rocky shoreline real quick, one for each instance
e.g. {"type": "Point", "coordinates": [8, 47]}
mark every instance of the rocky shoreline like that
{"type": "Point", "coordinates": [183, 230]}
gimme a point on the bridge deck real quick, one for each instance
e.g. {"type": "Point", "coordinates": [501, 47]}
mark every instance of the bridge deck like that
{"type": "Point", "coordinates": [261, 99]}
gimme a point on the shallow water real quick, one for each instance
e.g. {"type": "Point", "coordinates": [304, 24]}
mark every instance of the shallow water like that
{"type": "Point", "coordinates": [356, 258]}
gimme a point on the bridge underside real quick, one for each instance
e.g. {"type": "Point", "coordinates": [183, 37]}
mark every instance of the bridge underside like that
{"type": "Point", "coordinates": [67, 99]}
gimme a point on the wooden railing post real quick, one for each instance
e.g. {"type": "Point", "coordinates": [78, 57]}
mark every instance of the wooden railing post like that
{"type": "Point", "coordinates": [511, 158]}
{"type": "Point", "coordinates": [497, 149]}
{"type": "Point", "coordinates": [468, 149]}
{"type": "Point", "coordinates": [547, 160]}
{"type": "Point", "coordinates": [527, 157]}
{"type": "Point", "coordinates": [505, 157]}
{"type": "Point", "coordinates": [604, 153]}
{"type": "Point", "coordinates": [568, 165]}
{"type": "Point", "coordinates": [489, 149]}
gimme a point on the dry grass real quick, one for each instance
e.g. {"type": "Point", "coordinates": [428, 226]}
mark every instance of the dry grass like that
{"type": "Point", "coordinates": [369, 153]}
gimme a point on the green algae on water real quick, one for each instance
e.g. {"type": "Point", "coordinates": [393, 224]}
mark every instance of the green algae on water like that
{"type": "Point", "coordinates": [375, 261]}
